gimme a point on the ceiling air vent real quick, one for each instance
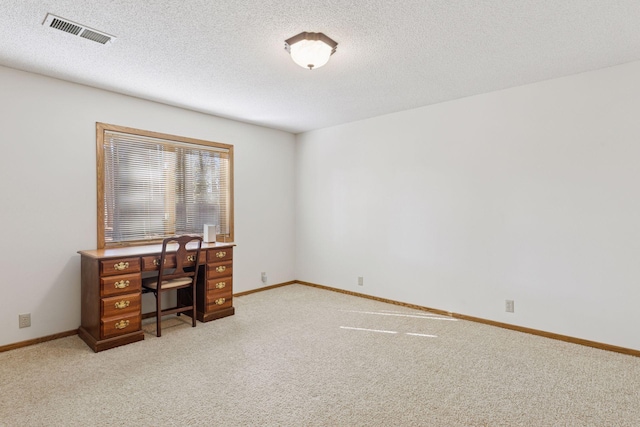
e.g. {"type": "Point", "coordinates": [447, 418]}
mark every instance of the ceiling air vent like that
{"type": "Point", "coordinates": [76, 29]}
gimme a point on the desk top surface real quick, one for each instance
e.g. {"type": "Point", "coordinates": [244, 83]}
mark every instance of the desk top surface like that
{"type": "Point", "coordinates": [141, 250]}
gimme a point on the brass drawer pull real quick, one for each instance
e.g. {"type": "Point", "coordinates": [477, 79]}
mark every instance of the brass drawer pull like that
{"type": "Point", "coordinates": [121, 284]}
{"type": "Point", "coordinates": [221, 268]}
{"type": "Point", "coordinates": [156, 262]}
{"type": "Point", "coordinates": [220, 285]}
{"type": "Point", "coordinates": [221, 254]}
{"type": "Point", "coordinates": [191, 258]}
{"type": "Point", "coordinates": [122, 304]}
{"type": "Point", "coordinates": [220, 301]}
{"type": "Point", "coordinates": [121, 266]}
{"type": "Point", "coordinates": [122, 324]}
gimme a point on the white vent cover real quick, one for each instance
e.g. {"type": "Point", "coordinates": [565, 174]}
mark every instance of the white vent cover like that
{"type": "Point", "coordinates": [76, 29]}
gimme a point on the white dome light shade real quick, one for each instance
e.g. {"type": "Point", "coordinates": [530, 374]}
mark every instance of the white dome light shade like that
{"type": "Point", "coordinates": [310, 50]}
{"type": "Point", "coordinates": [310, 53]}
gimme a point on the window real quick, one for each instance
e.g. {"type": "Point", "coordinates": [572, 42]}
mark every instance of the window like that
{"type": "Point", "coordinates": [152, 185]}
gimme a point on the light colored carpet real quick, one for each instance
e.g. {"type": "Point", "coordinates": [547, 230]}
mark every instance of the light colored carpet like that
{"type": "Point", "coordinates": [300, 356]}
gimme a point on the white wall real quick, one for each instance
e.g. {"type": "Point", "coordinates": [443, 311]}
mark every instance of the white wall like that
{"type": "Point", "coordinates": [48, 193]}
{"type": "Point", "coordinates": [527, 194]}
{"type": "Point", "coordinates": [530, 194]}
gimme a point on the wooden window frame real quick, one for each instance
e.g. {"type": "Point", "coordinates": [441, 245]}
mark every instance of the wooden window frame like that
{"type": "Point", "coordinates": [100, 169]}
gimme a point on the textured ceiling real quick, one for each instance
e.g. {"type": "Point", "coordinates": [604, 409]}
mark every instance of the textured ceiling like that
{"type": "Point", "coordinates": [227, 57]}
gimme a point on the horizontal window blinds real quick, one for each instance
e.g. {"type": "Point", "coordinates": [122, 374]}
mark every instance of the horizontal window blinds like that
{"type": "Point", "coordinates": [154, 188]}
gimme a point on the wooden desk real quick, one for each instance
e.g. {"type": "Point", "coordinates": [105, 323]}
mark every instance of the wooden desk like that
{"type": "Point", "coordinates": [112, 283]}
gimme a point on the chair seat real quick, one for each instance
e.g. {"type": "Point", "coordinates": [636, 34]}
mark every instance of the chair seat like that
{"type": "Point", "coordinates": [166, 284]}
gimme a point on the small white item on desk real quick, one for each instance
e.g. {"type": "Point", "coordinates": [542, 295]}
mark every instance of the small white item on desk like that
{"type": "Point", "coordinates": [209, 233]}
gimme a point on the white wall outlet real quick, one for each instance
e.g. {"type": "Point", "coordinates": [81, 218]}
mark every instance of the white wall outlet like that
{"type": "Point", "coordinates": [360, 281]}
{"type": "Point", "coordinates": [24, 320]}
{"type": "Point", "coordinates": [508, 306]}
{"type": "Point", "coordinates": [263, 276]}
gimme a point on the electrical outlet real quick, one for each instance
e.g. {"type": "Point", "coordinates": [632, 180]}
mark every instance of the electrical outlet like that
{"type": "Point", "coordinates": [24, 320]}
{"type": "Point", "coordinates": [360, 281]}
{"type": "Point", "coordinates": [264, 277]}
{"type": "Point", "coordinates": [508, 306]}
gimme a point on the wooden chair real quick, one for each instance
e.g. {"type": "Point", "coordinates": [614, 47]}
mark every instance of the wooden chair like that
{"type": "Point", "coordinates": [173, 275]}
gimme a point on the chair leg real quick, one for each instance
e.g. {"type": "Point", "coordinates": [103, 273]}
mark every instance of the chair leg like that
{"type": "Point", "coordinates": [158, 313]}
{"type": "Point", "coordinates": [193, 303]}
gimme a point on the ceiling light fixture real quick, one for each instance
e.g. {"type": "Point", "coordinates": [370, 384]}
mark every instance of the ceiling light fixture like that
{"type": "Point", "coordinates": [310, 50]}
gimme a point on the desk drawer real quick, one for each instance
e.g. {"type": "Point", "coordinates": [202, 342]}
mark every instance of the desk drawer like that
{"type": "Point", "coordinates": [222, 269]}
{"type": "Point", "coordinates": [119, 325]}
{"type": "Point", "coordinates": [117, 285]}
{"type": "Point", "coordinates": [120, 305]}
{"type": "Point", "coordinates": [214, 285]}
{"type": "Point", "coordinates": [111, 267]}
{"type": "Point", "coordinates": [219, 255]}
{"type": "Point", "coordinates": [151, 263]}
{"type": "Point", "coordinates": [218, 300]}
